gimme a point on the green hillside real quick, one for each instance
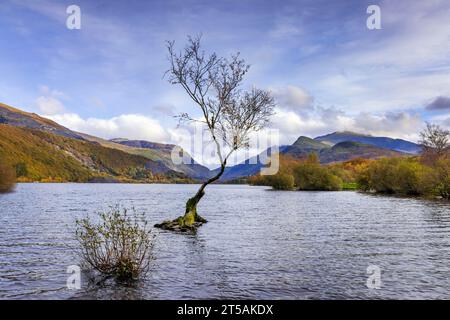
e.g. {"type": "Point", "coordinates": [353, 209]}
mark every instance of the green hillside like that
{"type": "Point", "coordinates": [156, 152]}
{"type": "Point", "coordinates": [308, 143]}
{"type": "Point", "coordinates": [348, 150]}
{"type": "Point", "coordinates": [42, 156]}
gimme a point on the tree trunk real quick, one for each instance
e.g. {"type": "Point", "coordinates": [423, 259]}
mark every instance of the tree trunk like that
{"type": "Point", "coordinates": [191, 218]}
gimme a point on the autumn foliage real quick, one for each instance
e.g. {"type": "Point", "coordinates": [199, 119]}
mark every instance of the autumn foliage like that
{"type": "Point", "coordinates": [7, 177]}
{"type": "Point", "coordinates": [410, 176]}
{"type": "Point", "coordinates": [309, 174]}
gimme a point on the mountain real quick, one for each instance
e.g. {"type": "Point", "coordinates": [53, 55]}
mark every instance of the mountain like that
{"type": "Point", "coordinates": [18, 118]}
{"type": "Point", "coordinates": [164, 152]}
{"type": "Point", "coordinates": [349, 150]}
{"type": "Point", "coordinates": [159, 154]}
{"type": "Point", "coordinates": [381, 142]}
{"type": "Point", "coordinates": [167, 148]}
{"type": "Point", "coordinates": [247, 168]}
{"type": "Point", "coordinates": [340, 152]}
{"type": "Point", "coordinates": [308, 143]}
{"type": "Point", "coordinates": [42, 156]}
{"type": "Point", "coordinates": [43, 149]}
{"type": "Point", "coordinates": [304, 146]}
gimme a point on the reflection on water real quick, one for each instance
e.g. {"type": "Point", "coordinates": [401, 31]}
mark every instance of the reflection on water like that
{"type": "Point", "coordinates": [259, 244]}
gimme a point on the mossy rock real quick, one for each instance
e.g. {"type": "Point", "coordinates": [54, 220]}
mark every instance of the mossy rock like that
{"type": "Point", "coordinates": [184, 224]}
{"type": "Point", "coordinates": [187, 223]}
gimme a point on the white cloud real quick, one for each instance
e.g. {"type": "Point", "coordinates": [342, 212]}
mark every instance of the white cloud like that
{"type": "Point", "coordinates": [326, 120]}
{"type": "Point", "coordinates": [292, 125]}
{"type": "Point", "coordinates": [50, 102]}
{"type": "Point", "coordinates": [292, 97]}
{"type": "Point", "coordinates": [403, 66]}
{"type": "Point", "coordinates": [130, 126]}
{"type": "Point", "coordinates": [393, 124]}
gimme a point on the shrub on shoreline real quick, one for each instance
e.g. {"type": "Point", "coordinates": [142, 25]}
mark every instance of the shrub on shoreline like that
{"type": "Point", "coordinates": [306, 174]}
{"type": "Point", "coordinates": [7, 178]}
{"type": "Point", "coordinates": [314, 177]}
{"type": "Point", "coordinates": [407, 176]}
{"type": "Point", "coordinates": [281, 181]}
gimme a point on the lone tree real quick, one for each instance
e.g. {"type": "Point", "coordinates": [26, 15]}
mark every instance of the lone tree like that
{"type": "Point", "coordinates": [435, 142]}
{"type": "Point", "coordinates": [229, 112]}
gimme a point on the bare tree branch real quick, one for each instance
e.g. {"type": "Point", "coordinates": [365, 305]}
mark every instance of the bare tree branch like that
{"type": "Point", "coordinates": [214, 84]}
{"type": "Point", "coordinates": [230, 113]}
{"type": "Point", "coordinates": [435, 142]}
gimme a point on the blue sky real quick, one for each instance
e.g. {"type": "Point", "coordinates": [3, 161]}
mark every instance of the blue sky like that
{"type": "Point", "coordinates": [327, 70]}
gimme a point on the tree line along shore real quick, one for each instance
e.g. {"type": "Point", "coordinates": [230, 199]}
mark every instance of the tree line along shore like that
{"type": "Point", "coordinates": [427, 174]}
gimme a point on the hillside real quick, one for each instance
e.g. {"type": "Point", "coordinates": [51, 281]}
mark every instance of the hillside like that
{"type": "Point", "coordinates": [163, 152]}
{"type": "Point", "coordinates": [381, 142]}
{"type": "Point", "coordinates": [19, 118]}
{"type": "Point", "coordinates": [41, 156]}
{"type": "Point", "coordinates": [304, 146]}
{"type": "Point", "coordinates": [51, 151]}
{"type": "Point", "coordinates": [156, 152]}
{"type": "Point", "coordinates": [348, 150]}
{"type": "Point", "coordinates": [308, 143]}
{"type": "Point", "coordinates": [340, 152]}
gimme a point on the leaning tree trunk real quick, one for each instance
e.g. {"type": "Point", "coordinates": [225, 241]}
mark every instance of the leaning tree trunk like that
{"type": "Point", "coordinates": [191, 219]}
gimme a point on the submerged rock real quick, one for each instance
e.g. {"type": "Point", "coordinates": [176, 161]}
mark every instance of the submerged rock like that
{"type": "Point", "coordinates": [178, 225]}
{"type": "Point", "coordinates": [188, 223]}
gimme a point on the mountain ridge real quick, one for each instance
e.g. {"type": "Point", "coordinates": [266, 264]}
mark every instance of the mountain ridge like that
{"type": "Point", "coordinates": [38, 155]}
{"type": "Point", "coordinates": [161, 153]}
{"type": "Point", "coordinates": [382, 142]}
{"type": "Point", "coordinates": [334, 147]}
{"type": "Point", "coordinates": [340, 152]}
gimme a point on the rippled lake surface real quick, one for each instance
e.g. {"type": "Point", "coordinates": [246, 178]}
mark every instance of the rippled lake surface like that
{"type": "Point", "coordinates": [258, 244]}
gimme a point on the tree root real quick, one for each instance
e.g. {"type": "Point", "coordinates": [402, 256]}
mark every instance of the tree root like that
{"type": "Point", "coordinates": [185, 224]}
{"type": "Point", "coordinates": [189, 222]}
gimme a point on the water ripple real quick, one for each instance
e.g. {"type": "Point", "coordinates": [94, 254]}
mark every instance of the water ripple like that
{"type": "Point", "coordinates": [259, 244]}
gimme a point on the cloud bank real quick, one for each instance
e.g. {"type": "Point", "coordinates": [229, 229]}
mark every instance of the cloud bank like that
{"type": "Point", "coordinates": [130, 126]}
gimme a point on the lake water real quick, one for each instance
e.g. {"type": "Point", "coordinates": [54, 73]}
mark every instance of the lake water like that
{"type": "Point", "coordinates": [258, 244]}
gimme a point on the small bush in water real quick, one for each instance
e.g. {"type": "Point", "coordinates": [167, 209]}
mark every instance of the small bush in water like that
{"type": "Point", "coordinates": [118, 245]}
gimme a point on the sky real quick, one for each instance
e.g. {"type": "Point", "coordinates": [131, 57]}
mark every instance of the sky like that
{"type": "Point", "coordinates": [326, 69]}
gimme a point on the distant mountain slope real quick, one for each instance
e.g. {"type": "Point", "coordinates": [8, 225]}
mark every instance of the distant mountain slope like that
{"type": "Point", "coordinates": [349, 150]}
{"type": "Point", "coordinates": [42, 156]}
{"type": "Point", "coordinates": [35, 159]}
{"type": "Point", "coordinates": [159, 153]}
{"type": "Point", "coordinates": [248, 167]}
{"type": "Point", "coordinates": [101, 156]}
{"type": "Point", "coordinates": [304, 146]}
{"type": "Point", "coordinates": [164, 152]}
{"type": "Point", "coordinates": [18, 118]}
{"type": "Point", "coordinates": [245, 169]}
{"type": "Point", "coordinates": [308, 143]}
{"type": "Point", "coordinates": [340, 152]}
{"type": "Point", "coordinates": [381, 142]}
{"type": "Point", "coordinates": [143, 144]}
